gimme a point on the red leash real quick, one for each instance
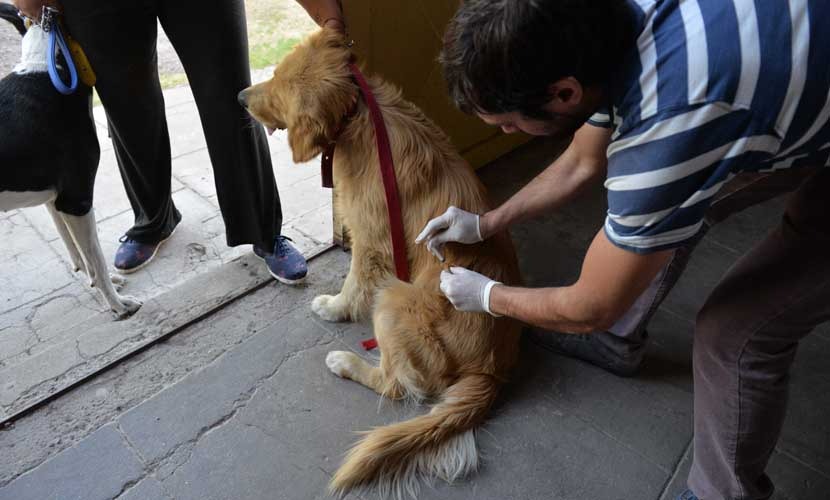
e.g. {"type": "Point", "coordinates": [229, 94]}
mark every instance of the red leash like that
{"type": "Point", "coordinates": [390, 185]}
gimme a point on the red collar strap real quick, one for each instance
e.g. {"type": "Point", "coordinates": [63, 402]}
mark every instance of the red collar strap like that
{"type": "Point", "coordinates": [387, 171]}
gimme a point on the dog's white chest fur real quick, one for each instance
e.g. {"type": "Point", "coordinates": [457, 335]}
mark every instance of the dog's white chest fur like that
{"type": "Point", "coordinates": [33, 53]}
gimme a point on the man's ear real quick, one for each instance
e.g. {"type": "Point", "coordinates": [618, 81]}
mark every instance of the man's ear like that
{"type": "Point", "coordinates": [566, 91]}
{"type": "Point", "coordinates": [306, 137]}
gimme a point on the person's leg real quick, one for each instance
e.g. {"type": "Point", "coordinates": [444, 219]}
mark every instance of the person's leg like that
{"type": "Point", "coordinates": [622, 348]}
{"type": "Point", "coordinates": [745, 341]}
{"type": "Point", "coordinates": [211, 40]}
{"type": "Point", "coordinates": [119, 39]}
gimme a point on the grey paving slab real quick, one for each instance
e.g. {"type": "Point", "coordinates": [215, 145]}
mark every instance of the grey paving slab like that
{"type": "Point", "coordinates": [96, 347]}
{"type": "Point", "coordinates": [807, 433]}
{"type": "Point", "coordinates": [32, 285]}
{"type": "Point", "coordinates": [271, 472]}
{"type": "Point", "coordinates": [303, 197]}
{"type": "Point", "coordinates": [315, 414]}
{"type": "Point", "coordinates": [42, 276]}
{"type": "Point", "coordinates": [709, 262]}
{"type": "Point", "coordinates": [53, 320]}
{"type": "Point", "coordinates": [178, 96]}
{"type": "Point", "coordinates": [195, 171]}
{"type": "Point", "coordinates": [677, 483]}
{"type": "Point", "coordinates": [650, 418]}
{"type": "Point", "coordinates": [793, 481]}
{"type": "Point", "coordinates": [180, 414]}
{"type": "Point", "coordinates": [16, 336]}
{"type": "Point", "coordinates": [743, 230]}
{"type": "Point", "coordinates": [22, 377]}
{"type": "Point", "coordinates": [316, 224]}
{"type": "Point", "coordinates": [189, 136]}
{"type": "Point", "coordinates": [147, 489]}
{"type": "Point", "coordinates": [32, 269]}
{"type": "Point", "coordinates": [69, 419]}
{"type": "Point", "coordinates": [823, 331]}
{"type": "Point", "coordinates": [110, 201]}
{"type": "Point", "coordinates": [22, 244]}
{"type": "Point", "coordinates": [40, 220]}
{"type": "Point", "coordinates": [535, 449]}
{"type": "Point", "coordinates": [310, 416]}
{"type": "Point", "coordinates": [669, 353]}
{"type": "Point", "coordinates": [97, 469]}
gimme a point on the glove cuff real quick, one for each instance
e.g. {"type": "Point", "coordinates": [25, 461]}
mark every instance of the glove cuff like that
{"type": "Point", "coordinates": [486, 298]}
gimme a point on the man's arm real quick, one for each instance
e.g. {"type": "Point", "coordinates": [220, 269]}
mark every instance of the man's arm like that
{"type": "Point", "coordinates": [610, 282]}
{"type": "Point", "coordinates": [326, 13]}
{"type": "Point", "coordinates": [580, 166]}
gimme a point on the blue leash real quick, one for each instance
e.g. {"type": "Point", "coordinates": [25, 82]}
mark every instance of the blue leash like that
{"type": "Point", "coordinates": [50, 25]}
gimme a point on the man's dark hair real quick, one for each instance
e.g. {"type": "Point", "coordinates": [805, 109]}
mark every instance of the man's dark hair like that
{"type": "Point", "coordinates": [501, 56]}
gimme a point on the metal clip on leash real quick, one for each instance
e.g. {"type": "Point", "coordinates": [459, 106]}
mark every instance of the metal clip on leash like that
{"type": "Point", "coordinates": [50, 24]}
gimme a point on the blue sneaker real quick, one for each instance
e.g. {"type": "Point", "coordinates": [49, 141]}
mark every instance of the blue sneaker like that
{"type": "Point", "coordinates": [286, 263]}
{"type": "Point", "coordinates": [132, 255]}
{"type": "Point", "coordinates": [687, 495]}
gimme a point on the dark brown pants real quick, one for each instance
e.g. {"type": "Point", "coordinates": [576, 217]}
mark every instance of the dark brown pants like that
{"type": "Point", "coordinates": [748, 330]}
{"type": "Point", "coordinates": [119, 38]}
{"type": "Point", "coordinates": [745, 341]}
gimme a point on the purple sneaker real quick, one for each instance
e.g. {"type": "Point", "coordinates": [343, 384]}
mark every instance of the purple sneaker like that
{"type": "Point", "coordinates": [132, 255]}
{"type": "Point", "coordinates": [286, 263]}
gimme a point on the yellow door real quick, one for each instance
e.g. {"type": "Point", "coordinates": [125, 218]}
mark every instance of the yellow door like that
{"type": "Point", "coordinates": [400, 40]}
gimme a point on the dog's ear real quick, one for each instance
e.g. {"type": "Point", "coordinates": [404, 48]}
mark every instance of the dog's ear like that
{"type": "Point", "coordinates": [306, 137]}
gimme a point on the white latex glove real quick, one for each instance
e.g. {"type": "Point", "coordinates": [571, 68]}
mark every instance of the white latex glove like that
{"type": "Point", "coordinates": [453, 225]}
{"type": "Point", "coordinates": [467, 290]}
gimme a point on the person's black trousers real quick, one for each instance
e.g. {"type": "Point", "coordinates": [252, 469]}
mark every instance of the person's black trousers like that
{"type": "Point", "coordinates": [119, 39]}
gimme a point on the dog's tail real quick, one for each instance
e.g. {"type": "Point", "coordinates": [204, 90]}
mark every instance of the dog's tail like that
{"type": "Point", "coordinates": [9, 13]}
{"type": "Point", "coordinates": [396, 458]}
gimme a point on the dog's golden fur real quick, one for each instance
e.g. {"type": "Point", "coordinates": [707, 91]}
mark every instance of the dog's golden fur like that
{"type": "Point", "coordinates": [428, 349]}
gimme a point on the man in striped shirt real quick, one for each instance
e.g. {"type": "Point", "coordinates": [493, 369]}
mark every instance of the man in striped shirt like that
{"type": "Point", "coordinates": [695, 109]}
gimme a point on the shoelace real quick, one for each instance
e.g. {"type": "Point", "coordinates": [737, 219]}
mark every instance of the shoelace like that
{"type": "Point", "coordinates": [282, 246]}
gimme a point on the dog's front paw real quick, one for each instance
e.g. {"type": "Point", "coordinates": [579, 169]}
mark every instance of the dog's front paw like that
{"type": "Point", "coordinates": [341, 363]}
{"type": "Point", "coordinates": [326, 306]}
{"type": "Point", "coordinates": [126, 306]}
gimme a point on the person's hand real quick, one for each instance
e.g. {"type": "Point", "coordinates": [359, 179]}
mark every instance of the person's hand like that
{"type": "Point", "coordinates": [326, 13]}
{"type": "Point", "coordinates": [32, 8]}
{"type": "Point", "coordinates": [467, 290]}
{"type": "Point", "coordinates": [453, 225]}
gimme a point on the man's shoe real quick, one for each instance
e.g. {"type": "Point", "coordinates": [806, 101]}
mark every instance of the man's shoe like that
{"type": "Point", "coordinates": [609, 352]}
{"type": "Point", "coordinates": [285, 263]}
{"type": "Point", "coordinates": [132, 255]}
{"type": "Point", "coordinates": [687, 495]}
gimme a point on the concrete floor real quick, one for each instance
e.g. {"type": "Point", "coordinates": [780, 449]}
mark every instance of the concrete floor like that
{"type": "Point", "coordinates": [54, 329]}
{"type": "Point", "coordinates": [46, 309]}
{"type": "Point", "coordinates": [241, 405]}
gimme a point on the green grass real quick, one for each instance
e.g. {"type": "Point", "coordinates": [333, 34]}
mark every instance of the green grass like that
{"type": "Point", "coordinates": [261, 56]}
{"type": "Point", "coordinates": [172, 80]}
{"type": "Point", "coordinates": [266, 54]}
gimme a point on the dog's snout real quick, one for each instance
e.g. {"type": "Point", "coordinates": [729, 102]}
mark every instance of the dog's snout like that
{"type": "Point", "coordinates": [242, 97]}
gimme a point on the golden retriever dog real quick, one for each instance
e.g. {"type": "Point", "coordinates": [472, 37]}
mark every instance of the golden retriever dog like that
{"type": "Point", "coordinates": [429, 351]}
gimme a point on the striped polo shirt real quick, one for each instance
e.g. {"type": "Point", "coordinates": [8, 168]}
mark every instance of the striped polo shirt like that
{"type": "Point", "coordinates": [713, 88]}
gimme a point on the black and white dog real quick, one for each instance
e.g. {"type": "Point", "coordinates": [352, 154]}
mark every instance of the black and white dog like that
{"type": "Point", "coordinates": [49, 156]}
